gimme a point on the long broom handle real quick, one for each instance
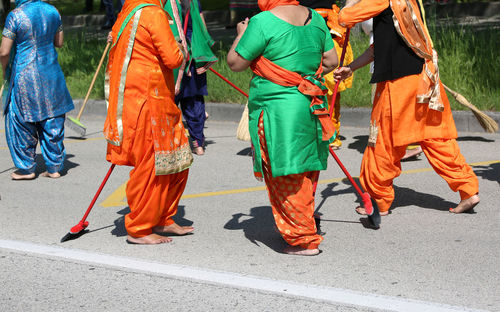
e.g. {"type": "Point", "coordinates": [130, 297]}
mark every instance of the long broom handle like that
{"type": "Point", "coordinates": [341, 63]}
{"type": "Point", "coordinates": [98, 193]}
{"type": "Point", "coordinates": [211, 69]}
{"type": "Point", "coordinates": [229, 82]}
{"type": "Point", "coordinates": [330, 110]}
{"type": "Point", "coordinates": [93, 80]}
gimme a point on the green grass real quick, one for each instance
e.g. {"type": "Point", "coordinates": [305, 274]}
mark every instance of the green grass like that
{"type": "Point", "coordinates": [468, 64]}
{"type": "Point", "coordinates": [72, 7]}
{"type": "Point", "coordinates": [79, 58]}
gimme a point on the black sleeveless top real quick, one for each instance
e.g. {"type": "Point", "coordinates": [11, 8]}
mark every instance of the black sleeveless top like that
{"type": "Point", "coordinates": [392, 57]}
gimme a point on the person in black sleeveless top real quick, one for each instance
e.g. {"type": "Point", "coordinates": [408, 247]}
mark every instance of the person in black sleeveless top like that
{"type": "Point", "coordinates": [399, 115]}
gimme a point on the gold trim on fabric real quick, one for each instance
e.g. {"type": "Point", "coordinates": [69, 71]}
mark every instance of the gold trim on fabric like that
{"type": "Point", "coordinates": [180, 30]}
{"type": "Point", "coordinates": [168, 162]}
{"type": "Point", "coordinates": [433, 96]}
{"type": "Point", "coordinates": [372, 139]}
{"type": "Point", "coordinates": [9, 34]}
{"type": "Point", "coordinates": [123, 76]}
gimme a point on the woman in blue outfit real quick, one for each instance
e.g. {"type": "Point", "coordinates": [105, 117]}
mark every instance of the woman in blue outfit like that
{"type": "Point", "coordinates": [36, 98]}
{"type": "Point", "coordinates": [194, 85]}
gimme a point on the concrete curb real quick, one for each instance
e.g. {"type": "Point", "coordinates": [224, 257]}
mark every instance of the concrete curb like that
{"type": "Point", "coordinates": [351, 117]}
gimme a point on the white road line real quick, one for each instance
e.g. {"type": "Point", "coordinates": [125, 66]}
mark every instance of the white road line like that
{"type": "Point", "coordinates": [287, 288]}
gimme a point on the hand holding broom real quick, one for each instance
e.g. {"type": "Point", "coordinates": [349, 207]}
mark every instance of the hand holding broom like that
{"type": "Point", "coordinates": [74, 123]}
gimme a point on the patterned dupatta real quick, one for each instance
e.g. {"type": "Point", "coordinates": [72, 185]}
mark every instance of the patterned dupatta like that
{"type": "Point", "coordinates": [413, 30]}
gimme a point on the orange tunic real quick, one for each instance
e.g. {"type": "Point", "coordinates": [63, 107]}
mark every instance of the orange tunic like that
{"type": "Point", "coordinates": [140, 74]}
{"type": "Point", "coordinates": [143, 126]}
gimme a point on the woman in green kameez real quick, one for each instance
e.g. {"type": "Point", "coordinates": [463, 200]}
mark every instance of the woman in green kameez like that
{"type": "Point", "coordinates": [287, 46]}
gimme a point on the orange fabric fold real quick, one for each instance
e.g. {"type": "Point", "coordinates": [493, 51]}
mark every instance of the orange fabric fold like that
{"type": "Point", "coordinates": [292, 201]}
{"type": "Point", "coordinates": [153, 199]}
{"type": "Point", "coordinates": [266, 5]}
{"type": "Point", "coordinates": [400, 121]}
{"type": "Point", "coordinates": [139, 75]}
{"type": "Point", "coordinates": [284, 77]}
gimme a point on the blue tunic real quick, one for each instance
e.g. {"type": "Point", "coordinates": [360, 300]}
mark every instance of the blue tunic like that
{"type": "Point", "coordinates": [37, 88]}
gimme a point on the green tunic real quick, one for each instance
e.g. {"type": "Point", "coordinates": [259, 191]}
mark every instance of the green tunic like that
{"type": "Point", "coordinates": [293, 134]}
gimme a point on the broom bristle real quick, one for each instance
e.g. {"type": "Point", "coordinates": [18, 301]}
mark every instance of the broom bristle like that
{"type": "Point", "coordinates": [486, 122]}
{"type": "Point", "coordinates": [242, 133]}
{"type": "Point", "coordinates": [75, 125]}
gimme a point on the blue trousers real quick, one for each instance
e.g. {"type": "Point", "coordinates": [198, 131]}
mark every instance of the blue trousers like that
{"type": "Point", "coordinates": [193, 110]}
{"type": "Point", "coordinates": [22, 138]}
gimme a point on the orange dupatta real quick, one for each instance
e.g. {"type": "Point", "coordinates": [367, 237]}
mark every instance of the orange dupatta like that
{"type": "Point", "coordinates": [412, 29]}
{"type": "Point", "coordinates": [309, 85]}
{"type": "Point", "coordinates": [266, 5]}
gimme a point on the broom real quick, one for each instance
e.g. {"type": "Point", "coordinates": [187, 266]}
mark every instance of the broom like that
{"type": "Point", "coordinates": [74, 123]}
{"type": "Point", "coordinates": [242, 132]}
{"type": "Point", "coordinates": [79, 229]}
{"type": "Point", "coordinates": [488, 124]}
{"type": "Point", "coordinates": [372, 211]}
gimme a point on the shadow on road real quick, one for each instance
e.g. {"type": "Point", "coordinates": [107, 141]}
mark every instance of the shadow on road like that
{"type": "Point", "coordinates": [258, 227]}
{"type": "Point", "coordinates": [474, 138]}
{"type": "Point", "coordinates": [120, 230]}
{"type": "Point", "coordinates": [40, 164]}
{"type": "Point", "coordinates": [359, 144]}
{"type": "Point", "coordinates": [245, 152]}
{"type": "Point", "coordinates": [490, 172]}
{"type": "Point", "coordinates": [404, 196]}
{"type": "Point", "coordinates": [408, 197]}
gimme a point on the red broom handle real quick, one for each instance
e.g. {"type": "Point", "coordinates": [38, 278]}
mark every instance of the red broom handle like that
{"type": "Point", "coordinates": [330, 110]}
{"type": "Point", "coordinates": [229, 82]}
{"type": "Point", "coordinates": [213, 70]}
{"type": "Point", "coordinates": [341, 63]}
{"type": "Point", "coordinates": [98, 193]}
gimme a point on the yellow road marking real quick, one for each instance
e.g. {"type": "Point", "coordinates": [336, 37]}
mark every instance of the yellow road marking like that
{"type": "Point", "coordinates": [118, 198]}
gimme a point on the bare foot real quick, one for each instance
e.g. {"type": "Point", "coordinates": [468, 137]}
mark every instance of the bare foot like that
{"type": "Point", "coordinates": [16, 176]}
{"type": "Point", "coordinates": [412, 153]}
{"type": "Point", "coordinates": [47, 174]}
{"type": "Point", "coordinates": [360, 210]}
{"type": "Point", "coordinates": [199, 150]}
{"type": "Point", "coordinates": [466, 204]}
{"type": "Point", "coordinates": [173, 228]}
{"type": "Point", "coordinates": [299, 251]}
{"type": "Point", "coordinates": [151, 239]}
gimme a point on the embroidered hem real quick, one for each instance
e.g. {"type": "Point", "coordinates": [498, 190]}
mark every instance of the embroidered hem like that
{"type": "Point", "coordinates": [168, 162]}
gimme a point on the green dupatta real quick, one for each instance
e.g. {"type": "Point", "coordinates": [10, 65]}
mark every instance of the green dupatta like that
{"type": "Point", "coordinates": [201, 42]}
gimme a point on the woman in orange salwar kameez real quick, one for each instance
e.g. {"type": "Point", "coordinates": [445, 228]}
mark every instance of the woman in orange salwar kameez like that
{"type": "Point", "coordinates": [410, 103]}
{"type": "Point", "coordinates": [287, 47]}
{"type": "Point", "coordinates": [144, 126]}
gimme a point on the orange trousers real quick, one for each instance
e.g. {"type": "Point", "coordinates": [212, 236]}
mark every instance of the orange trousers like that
{"type": "Point", "coordinates": [381, 163]}
{"type": "Point", "coordinates": [152, 199]}
{"type": "Point", "coordinates": [292, 201]}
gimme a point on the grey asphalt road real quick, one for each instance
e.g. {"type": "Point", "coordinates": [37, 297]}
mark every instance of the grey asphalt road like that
{"type": "Point", "coordinates": [421, 259]}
